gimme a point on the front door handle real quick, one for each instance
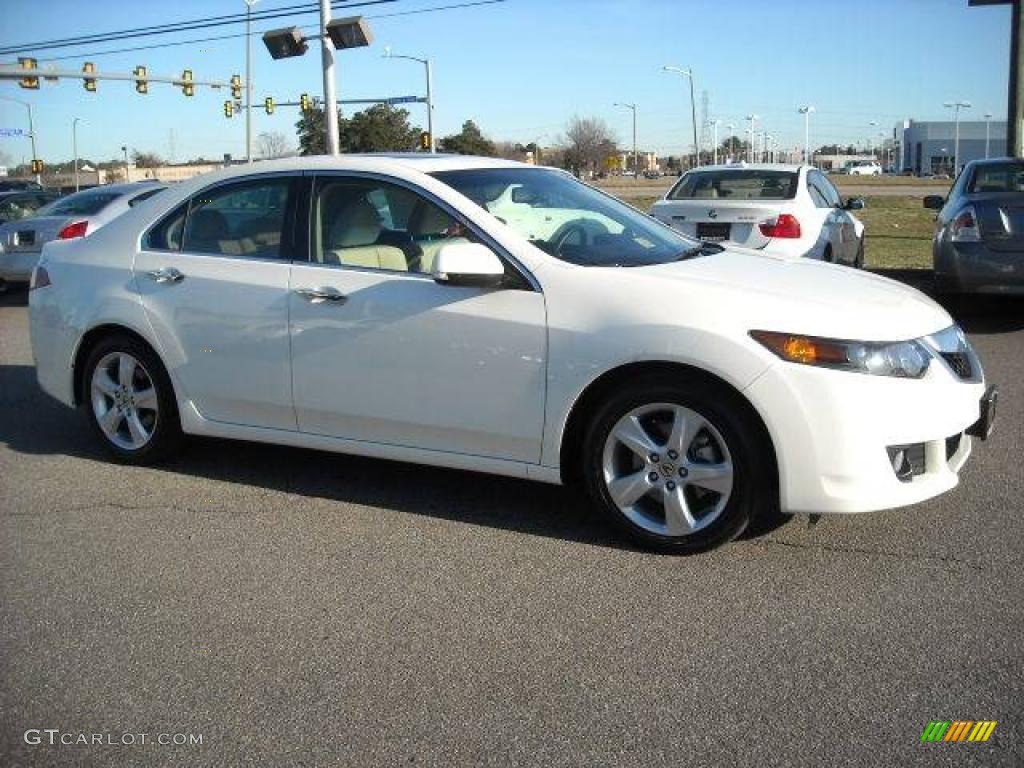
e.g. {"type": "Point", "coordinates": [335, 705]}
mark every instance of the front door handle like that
{"type": "Point", "coordinates": [320, 295]}
{"type": "Point", "coordinates": [167, 275]}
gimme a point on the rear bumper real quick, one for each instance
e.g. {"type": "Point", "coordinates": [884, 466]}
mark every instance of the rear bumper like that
{"type": "Point", "coordinates": [975, 268]}
{"type": "Point", "coordinates": [17, 267]}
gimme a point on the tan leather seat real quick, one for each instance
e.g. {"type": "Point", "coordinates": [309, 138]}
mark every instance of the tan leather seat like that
{"type": "Point", "coordinates": [428, 228]}
{"type": "Point", "coordinates": [353, 240]}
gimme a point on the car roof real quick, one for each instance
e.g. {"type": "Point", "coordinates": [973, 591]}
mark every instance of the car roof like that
{"type": "Point", "coordinates": [995, 160]}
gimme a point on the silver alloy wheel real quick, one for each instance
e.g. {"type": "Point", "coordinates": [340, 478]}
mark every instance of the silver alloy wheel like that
{"type": "Point", "coordinates": [124, 401]}
{"type": "Point", "coordinates": [668, 469]}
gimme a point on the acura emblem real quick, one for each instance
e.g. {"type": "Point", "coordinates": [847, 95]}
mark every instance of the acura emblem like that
{"type": "Point", "coordinates": [712, 214]}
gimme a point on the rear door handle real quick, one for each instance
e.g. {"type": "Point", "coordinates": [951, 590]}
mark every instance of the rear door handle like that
{"type": "Point", "coordinates": [320, 295]}
{"type": "Point", "coordinates": [167, 275]}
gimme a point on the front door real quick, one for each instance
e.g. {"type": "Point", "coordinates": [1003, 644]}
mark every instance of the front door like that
{"type": "Point", "coordinates": [213, 278]}
{"type": "Point", "coordinates": [382, 353]}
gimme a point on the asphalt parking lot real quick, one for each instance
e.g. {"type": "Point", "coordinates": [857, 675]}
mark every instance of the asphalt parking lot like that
{"type": "Point", "coordinates": [298, 608]}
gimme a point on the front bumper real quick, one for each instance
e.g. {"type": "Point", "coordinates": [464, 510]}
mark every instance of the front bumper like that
{"type": "Point", "coordinates": [832, 431]}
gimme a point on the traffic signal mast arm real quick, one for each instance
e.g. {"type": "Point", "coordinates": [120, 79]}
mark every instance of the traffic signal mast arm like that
{"type": "Point", "coordinates": [14, 72]}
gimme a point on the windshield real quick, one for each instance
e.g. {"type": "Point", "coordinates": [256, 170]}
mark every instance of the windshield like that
{"type": "Point", "coordinates": [84, 203]}
{"type": "Point", "coordinates": [736, 185]}
{"type": "Point", "coordinates": [569, 220]}
{"type": "Point", "coordinates": [998, 177]}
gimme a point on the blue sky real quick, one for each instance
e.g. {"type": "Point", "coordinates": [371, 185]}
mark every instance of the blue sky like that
{"type": "Point", "coordinates": [522, 68]}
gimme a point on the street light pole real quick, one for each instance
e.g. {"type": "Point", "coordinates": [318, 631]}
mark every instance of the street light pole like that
{"type": "Point", "coordinates": [956, 106]}
{"type": "Point", "coordinates": [988, 125]}
{"type": "Point", "coordinates": [731, 127]}
{"type": "Point", "coordinates": [430, 93]}
{"type": "Point", "coordinates": [636, 168]}
{"type": "Point", "coordinates": [124, 148]}
{"type": "Point", "coordinates": [74, 147]}
{"type": "Point", "coordinates": [750, 130]}
{"type": "Point", "coordinates": [248, 79]}
{"type": "Point", "coordinates": [714, 127]}
{"type": "Point", "coordinates": [806, 110]}
{"type": "Point", "coordinates": [330, 99]}
{"type": "Point", "coordinates": [688, 73]}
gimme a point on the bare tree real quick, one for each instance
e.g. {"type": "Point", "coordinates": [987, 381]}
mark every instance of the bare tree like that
{"type": "Point", "coordinates": [272, 144]}
{"type": "Point", "coordinates": [588, 141]}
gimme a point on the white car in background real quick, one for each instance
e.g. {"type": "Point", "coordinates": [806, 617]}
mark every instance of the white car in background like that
{"type": "Point", "coordinates": [378, 305]}
{"type": "Point", "coordinates": [787, 210]}
{"type": "Point", "coordinates": [77, 215]}
{"type": "Point", "coordinates": [865, 168]}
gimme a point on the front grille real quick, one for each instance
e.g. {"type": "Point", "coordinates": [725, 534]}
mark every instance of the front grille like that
{"type": "Point", "coordinates": [959, 362]}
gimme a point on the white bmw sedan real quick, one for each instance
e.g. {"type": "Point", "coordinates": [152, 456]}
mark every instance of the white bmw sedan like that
{"type": "Point", "coordinates": [791, 210]}
{"type": "Point", "coordinates": [504, 318]}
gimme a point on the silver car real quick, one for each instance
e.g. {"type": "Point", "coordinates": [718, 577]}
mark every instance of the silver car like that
{"type": "Point", "coordinates": [77, 215]}
{"type": "Point", "coordinates": [979, 232]}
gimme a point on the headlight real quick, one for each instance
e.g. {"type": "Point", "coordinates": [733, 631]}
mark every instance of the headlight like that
{"type": "Point", "coordinates": [903, 359]}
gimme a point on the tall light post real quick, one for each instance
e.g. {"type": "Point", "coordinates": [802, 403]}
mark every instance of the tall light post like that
{"type": "Point", "coordinates": [124, 148]}
{"type": "Point", "coordinates": [750, 130]}
{"type": "Point", "coordinates": [956, 106]}
{"type": "Point", "coordinates": [636, 168]}
{"type": "Point", "coordinates": [714, 127]}
{"type": "Point", "coordinates": [74, 147]}
{"type": "Point", "coordinates": [31, 129]}
{"type": "Point", "coordinates": [688, 73]}
{"type": "Point", "coordinates": [731, 127]}
{"type": "Point", "coordinates": [430, 96]}
{"type": "Point", "coordinates": [988, 125]}
{"type": "Point", "coordinates": [248, 79]}
{"type": "Point", "coordinates": [806, 110]}
{"type": "Point", "coordinates": [342, 34]}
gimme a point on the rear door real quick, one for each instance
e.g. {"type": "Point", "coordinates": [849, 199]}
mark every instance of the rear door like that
{"type": "Point", "coordinates": [213, 278]}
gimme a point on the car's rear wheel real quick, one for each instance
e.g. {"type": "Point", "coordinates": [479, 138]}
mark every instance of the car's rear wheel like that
{"type": "Point", "coordinates": [676, 464]}
{"type": "Point", "coordinates": [130, 401]}
{"type": "Point", "coordinates": [858, 260]}
{"type": "Point", "coordinates": [827, 255]}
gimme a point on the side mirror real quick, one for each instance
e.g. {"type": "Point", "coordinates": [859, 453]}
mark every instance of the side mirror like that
{"type": "Point", "coordinates": [934, 202]}
{"type": "Point", "coordinates": [524, 196]}
{"type": "Point", "coordinates": [854, 204]}
{"type": "Point", "coordinates": [468, 264]}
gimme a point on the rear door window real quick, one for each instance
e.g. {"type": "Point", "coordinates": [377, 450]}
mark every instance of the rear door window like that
{"type": "Point", "coordinates": [241, 219]}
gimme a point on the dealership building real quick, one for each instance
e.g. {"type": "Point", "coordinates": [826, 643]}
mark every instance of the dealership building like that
{"type": "Point", "coordinates": [929, 147]}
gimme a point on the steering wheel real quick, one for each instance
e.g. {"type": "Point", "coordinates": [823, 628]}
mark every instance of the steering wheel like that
{"type": "Point", "coordinates": [562, 237]}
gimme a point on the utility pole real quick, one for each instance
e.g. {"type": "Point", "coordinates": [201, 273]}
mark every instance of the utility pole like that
{"type": "Point", "coordinates": [988, 125]}
{"type": "Point", "coordinates": [248, 79]}
{"type": "Point", "coordinates": [731, 127]}
{"type": "Point", "coordinates": [714, 128]}
{"type": "Point", "coordinates": [330, 99]}
{"type": "Point", "coordinates": [806, 110]}
{"type": "Point", "coordinates": [31, 129]}
{"type": "Point", "coordinates": [74, 147]}
{"type": "Point", "coordinates": [1015, 82]}
{"type": "Point", "coordinates": [956, 106]}
{"type": "Point", "coordinates": [124, 148]}
{"type": "Point", "coordinates": [688, 73]}
{"type": "Point", "coordinates": [636, 168]}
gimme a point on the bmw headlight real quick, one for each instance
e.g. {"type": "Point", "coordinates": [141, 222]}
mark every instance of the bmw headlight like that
{"type": "Point", "coordinates": [902, 359]}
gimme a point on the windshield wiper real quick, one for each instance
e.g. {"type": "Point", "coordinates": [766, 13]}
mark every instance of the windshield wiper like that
{"type": "Point", "coordinates": [704, 249]}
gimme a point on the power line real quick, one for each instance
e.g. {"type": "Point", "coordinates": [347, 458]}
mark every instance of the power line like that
{"type": "Point", "coordinates": [216, 38]}
{"type": "Point", "coordinates": [181, 26]}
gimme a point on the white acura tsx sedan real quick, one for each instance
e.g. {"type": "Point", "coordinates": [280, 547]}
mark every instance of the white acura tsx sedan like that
{"type": "Point", "coordinates": [499, 317]}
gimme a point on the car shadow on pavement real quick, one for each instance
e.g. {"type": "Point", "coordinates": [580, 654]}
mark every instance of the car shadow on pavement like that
{"type": "Point", "coordinates": [37, 425]}
{"type": "Point", "coordinates": [14, 295]}
{"type": "Point", "coordinates": [976, 313]}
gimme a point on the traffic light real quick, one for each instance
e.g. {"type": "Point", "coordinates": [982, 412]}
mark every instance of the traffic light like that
{"type": "Point", "coordinates": [304, 102]}
{"type": "Point", "coordinates": [89, 82]}
{"type": "Point", "coordinates": [229, 108]}
{"type": "Point", "coordinates": [186, 83]}
{"type": "Point", "coordinates": [268, 104]}
{"type": "Point", "coordinates": [236, 87]}
{"type": "Point", "coordinates": [141, 84]}
{"type": "Point", "coordinates": [37, 166]}
{"type": "Point", "coordinates": [28, 82]}
{"type": "Point", "coordinates": [425, 141]}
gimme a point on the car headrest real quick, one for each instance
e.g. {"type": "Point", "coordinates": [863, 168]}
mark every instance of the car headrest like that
{"type": "Point", "coordinates": [358, 224]}
{"type": "Point", "coordinates": [429, 220]}
{"type": "Point", "coordinates": [206, 224]}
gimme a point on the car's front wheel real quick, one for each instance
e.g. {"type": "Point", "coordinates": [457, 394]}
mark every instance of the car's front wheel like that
{"type": "Point", "coordinates": [677, 464]}
{"type": "Point", "coordinates": [130, 401]}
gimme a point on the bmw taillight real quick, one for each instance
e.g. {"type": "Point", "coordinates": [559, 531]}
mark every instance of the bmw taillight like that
{"type": "Point", "coordinates": [784, 225]}
{"type": "Point", "coordinates": [40, 278]}
{"type": "Point", "coordinates": [964, 226]}
{"type": "Point", "coordinates": [73, 230]}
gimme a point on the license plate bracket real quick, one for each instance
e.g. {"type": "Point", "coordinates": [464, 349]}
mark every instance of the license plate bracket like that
{"type": "Point", "coordinates": [712, 232]}
{"type": "Point", "coordinates": [982, 428]}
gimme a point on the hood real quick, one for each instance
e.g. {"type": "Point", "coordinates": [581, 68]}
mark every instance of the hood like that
{"type": "Point", "coordinates": [805, 296]}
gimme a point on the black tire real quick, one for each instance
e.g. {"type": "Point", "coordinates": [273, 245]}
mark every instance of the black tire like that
{"type": "Point", "coordinates": [858, 261]}
{"type": "Point", "coordinates": [166, 434]}
{"type": "Point", "coordinates": [753, 492]}
{"type": "Point", "coordinates": [827, 256]}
